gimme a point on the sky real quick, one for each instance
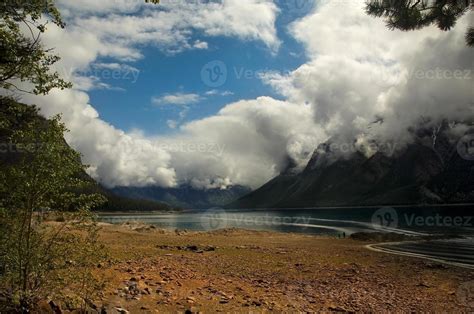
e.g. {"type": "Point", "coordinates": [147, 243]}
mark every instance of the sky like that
{"type": "Point", "coordinates": [166, 88]}
{"type": "Point", "coordinates": [229, 92]}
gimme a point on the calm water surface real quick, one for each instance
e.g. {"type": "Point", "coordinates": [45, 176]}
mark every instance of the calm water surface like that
{"type": "Point", "coordinates": [338, 222]}
{"type": "Point", "coordinates": [333, 221]}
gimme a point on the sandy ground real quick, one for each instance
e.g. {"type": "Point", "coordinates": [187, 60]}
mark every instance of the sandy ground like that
{"type": "Point", "coordinates": [153, 271]}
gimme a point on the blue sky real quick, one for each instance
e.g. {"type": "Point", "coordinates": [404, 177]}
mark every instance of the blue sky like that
{"type": "Point", "coordinates": [338, 70]}
{"type": "Point", "coordinates": [163, 73]}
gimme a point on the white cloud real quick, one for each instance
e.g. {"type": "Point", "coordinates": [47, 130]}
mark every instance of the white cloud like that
{"type": "Point", "coordinates": [106, 29]}
{"type": "Point", "coordinates": [168, 25]}
{"type": "Point", "coordinates": [357, 70]}
{"type": "Point", "coordinates": [247, 143]}
{"type": "Point", "coordinates": [117, 158]}
{"type": "Point", "coordinates": [117, 30]}
{"type": "Point", "coordinates": [360, 70]}
{"type": "Point", "coordinates": [200, 44]}
{"type": "Point", "coordinates": [215, 92]}
{"type": "Point", "coordinates": [172, 124]}
{"type": "Point", "coordinates": [176, 99]}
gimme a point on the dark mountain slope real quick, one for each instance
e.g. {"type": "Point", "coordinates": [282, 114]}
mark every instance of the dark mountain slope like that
{"type": "Point", "coordinates": [15, 116]}
{"type": "Point", "coordinates": [419, 174]}
{"type": "Point", "coordinates": [185, 196]}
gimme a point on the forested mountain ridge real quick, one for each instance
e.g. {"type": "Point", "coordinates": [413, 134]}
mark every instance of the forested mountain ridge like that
{"type": "Point", "coordinates": [14, 116]}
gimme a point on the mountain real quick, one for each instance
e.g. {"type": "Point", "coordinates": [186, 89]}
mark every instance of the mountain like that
{"type": "Point", "coordinates": [15, 116]}
{"type": "Point", "coordinates": [430, 170]}
{"type": "Point", "coordinates": [185, 196]}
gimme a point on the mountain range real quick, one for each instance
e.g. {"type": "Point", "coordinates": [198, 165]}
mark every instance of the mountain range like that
{"type": "Point", "coordinates": [430, 170]}
{"type": "Point", "coordinates": [185, 196]}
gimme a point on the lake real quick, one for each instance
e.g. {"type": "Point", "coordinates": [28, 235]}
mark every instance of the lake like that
{"type": "Point", "coordinates": [321, 221]}
{"type": "Point", "coordinates": [338, 222]}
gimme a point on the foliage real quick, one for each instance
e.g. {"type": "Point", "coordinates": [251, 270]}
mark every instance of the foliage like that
{"type": "Point", "coordinates": [415, 14]}
{"type": "Point", "coordinates": [22, 57]}
{"type": "Point", "coordinates": [36, 258]}
{"type": "Point", "coordinates": [123, 204]}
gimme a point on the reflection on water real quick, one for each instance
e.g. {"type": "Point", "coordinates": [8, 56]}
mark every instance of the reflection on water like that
{"type": "Point", "coordinates": [333, 222]}
{"type": "Point", "coordinates": [339, 222]}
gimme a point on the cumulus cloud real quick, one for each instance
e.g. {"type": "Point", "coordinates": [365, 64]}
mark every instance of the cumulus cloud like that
{"type": "Point", "coordinates": [215, 92]}
{"type": "Point", "coordinates": [247, 143]}
{"type": "Point", "coordinates": [116, 30]}
{"type": "Point", "coordinates": [168, 25]}
{"type": "Point", "coordinates": [176, 99]}
{"type": "Point", "coordinates": [357, 72]}
{"type": "Point", "coordinates": [360, 71]}
{"type": "Point", "coordinates": [116, 157]}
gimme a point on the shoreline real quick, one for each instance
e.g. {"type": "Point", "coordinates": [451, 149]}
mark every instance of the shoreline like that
{"type": "Point", "coordinates": [198, 210]}
{"type": "Point", "coordinates": [378, 248]}
{"type": "Point", "coordinates": [234, 270]}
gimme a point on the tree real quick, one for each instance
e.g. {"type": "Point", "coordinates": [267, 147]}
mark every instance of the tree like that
{"type": "Point", "coordinates": [42, 175]}
{"type": "Point", "coordinates": [22, 56]}
{"type": "Point", "coordinates": [409, 15]}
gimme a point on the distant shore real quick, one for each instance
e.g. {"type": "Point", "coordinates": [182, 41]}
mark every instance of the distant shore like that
{"type": "Point", "coordinates": [187, 210]}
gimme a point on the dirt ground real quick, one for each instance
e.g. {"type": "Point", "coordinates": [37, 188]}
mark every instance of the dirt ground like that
{"type": "Point", "coordinates": [156, 271]}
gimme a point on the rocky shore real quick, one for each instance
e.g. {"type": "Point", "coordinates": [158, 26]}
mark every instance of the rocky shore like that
{"type": "Point", "coordinates": [156, 271]}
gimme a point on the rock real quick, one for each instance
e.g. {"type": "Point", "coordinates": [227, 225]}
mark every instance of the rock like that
{"type": "Point", "coordinates": [55, 307]}
{"type": "Point", "coordinates": [121, 310]}
{"type": "Point", "coordinates": [192, 248]}
{"type": "Point", "coordinates": [42, 306]}
{"type": "Point", "coordinates": [91, 304]}
{"type": "Point", "coordinates": [424, 284]}
{"type": "Point", "coordinates": [337, 308]}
